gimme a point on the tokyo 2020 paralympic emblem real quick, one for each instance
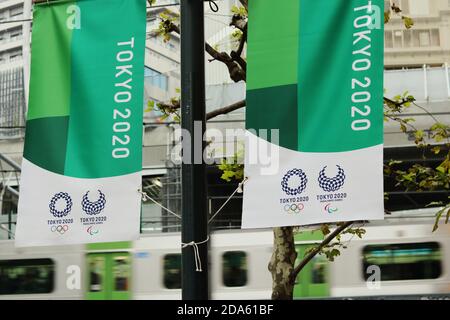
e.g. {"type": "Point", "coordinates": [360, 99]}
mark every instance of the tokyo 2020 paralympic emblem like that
{"type": "Point", "coordinates": [64, 196]}
{"type": "Point", "coordinates": [302, 184]}
{"type": "Point", "coordinates": [93, 207]}
{"type": "Point", "coordinates": [331, 184]}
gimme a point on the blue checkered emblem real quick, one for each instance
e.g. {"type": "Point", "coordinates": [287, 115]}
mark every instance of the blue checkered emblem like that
{"type": "Point", "coordinates": [302, 185]}
{"type": "Point", "coordinates": [93, 207]}
{"type": "Point", "coordinates": [331, 184]}
{"type": "Point", "coordinates": [61, 196]}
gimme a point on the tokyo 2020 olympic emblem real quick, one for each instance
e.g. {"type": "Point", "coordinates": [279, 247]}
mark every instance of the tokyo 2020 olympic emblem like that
{"type": "Point", "coordinates": [302, 184]}
{"type": "Point", "coordinates": [331, 184]}
{"type": "Point", "coordinates": [93, 207]}
{"type": "Point", "coordinates": [64, 196]}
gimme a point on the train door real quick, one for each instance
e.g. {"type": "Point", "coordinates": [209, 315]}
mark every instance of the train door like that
{"type": "Point", "coordinates": [312, 282]}
{"type": "Point", "coordinates": [109, 276]}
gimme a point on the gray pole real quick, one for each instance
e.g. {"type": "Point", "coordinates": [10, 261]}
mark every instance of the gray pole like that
{"type": "Point", "coordinates": [193, 176]}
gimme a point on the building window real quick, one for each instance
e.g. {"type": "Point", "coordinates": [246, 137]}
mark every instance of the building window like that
{"type": "Point", "coordinates": [156, 78]}
{"type": "Point", "coordinates": [172, 271]}
{"type": "Point", "coordinates": [30, 276]}
{"type": "Point", "coordinates": [406, 261]}
{"type": "Point", "coordinates": [234, 265]}
{"type": "Point", "coordinates": [388, 41]}
{"type": "Point", "coordinates": [398, 39]}
{"type": "Point", "coordinates": [407, 38]}
{"type": "Point", "coordinates": [13, 12]}
{"type": "Point", "coordinates": [424, 38]}
{"type": "Point", "coordinates": [435, 39]}
{"type": "Point", "coordinates": [15, 33]}
{"type": "Point", "coordinates": [411, 38]}
{"type": "Point", "coordinates": [419, 8]}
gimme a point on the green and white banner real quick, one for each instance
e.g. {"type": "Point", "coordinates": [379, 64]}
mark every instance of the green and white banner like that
{"type": "Point", "coordinates": [81, 171]}
{"type": "Point", "coordinates": [316, 75]}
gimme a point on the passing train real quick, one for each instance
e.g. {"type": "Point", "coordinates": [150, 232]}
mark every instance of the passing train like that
{"type": "Point", "coordinates": [398, 256]}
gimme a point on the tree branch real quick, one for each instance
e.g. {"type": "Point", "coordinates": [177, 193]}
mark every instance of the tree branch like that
{"type": "Point", "coordinates": [244, 4]}
{"type": "Point", "coordinates": [239, 22]}
{"type": "Point", "coordinates": [236, 72]}
{"type": "Point", "coordinates": [225, 110]}
{"type": "Point", "coordinates": [316, 250]}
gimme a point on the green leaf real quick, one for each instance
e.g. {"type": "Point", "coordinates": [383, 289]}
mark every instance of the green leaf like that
{"type": "Point", "coordinates": [387, 16]}
{"type": "Point", "coordinates": [419, 134]}
{"type": "Point", "coordinates": [403, 127]}
{"type": "Point", "coordinates": [436, 150]}
{"type": "Point", "coordinates": [438, 217]}
{"type": "Point", "coordinates": [408, 22]}
{"type": "Point", "coordinates": [227, 175]}
{"type": "Point", "coordinates": [440, 169]}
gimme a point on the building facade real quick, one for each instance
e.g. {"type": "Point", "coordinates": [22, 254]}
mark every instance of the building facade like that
{"type": "Point", "coordinates": [426, 43]}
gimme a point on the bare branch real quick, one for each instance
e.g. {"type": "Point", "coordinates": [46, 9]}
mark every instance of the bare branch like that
{"type": "Point", "coordinates": [244, 4]}
{"type": "Point", "coordinates": [237, 73]}
{"type": "Point", "coordinates": [225, 110]}
{"type": "Point", "coordinates": [239, 22]}
{"type": "Point", "coordinates": [316, 250]}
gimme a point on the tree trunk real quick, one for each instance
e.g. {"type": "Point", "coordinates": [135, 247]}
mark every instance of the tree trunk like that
{"type": "Point", "coordinates": [282, 263]}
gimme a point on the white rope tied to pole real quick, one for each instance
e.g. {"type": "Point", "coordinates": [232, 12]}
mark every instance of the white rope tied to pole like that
{"type": "Point", "coordinates": [238, 190]}
{"type": "Point", "coordinates": [145, 196]}
{"type": "Point", "coordinates": [194, 245]}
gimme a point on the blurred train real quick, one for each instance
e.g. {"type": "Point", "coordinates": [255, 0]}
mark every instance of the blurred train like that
{"type": "Point", "coordinates": [401, 252]}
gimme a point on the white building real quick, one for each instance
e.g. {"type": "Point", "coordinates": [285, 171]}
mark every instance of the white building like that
{"type": "Point", "coordinates": [428, 42]}
{"type": "Point", "coordinates": [11, 34]}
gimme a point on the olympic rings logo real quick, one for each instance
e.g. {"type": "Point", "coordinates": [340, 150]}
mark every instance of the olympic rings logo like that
{"type": "Point", "coordinates": [60, 229]}
{"type": "Point", "coordinates": [294, 208]}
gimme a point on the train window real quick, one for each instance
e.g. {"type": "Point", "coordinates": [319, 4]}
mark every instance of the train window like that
{"type": "Point", "coordinates": [29, 276]}
{"type": "Point", "coordinates": [172, 271]}
{"type": "Point", "coordinates": [318, 272]}
{"type": "Point", "coordinates": [96, 272]}
{"type": "Point", "coordinates": [121, 273]}
{"type": "Point", "coordinates": [234, 269]}
{"type": "Point", "coordinates": [406, 261]}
